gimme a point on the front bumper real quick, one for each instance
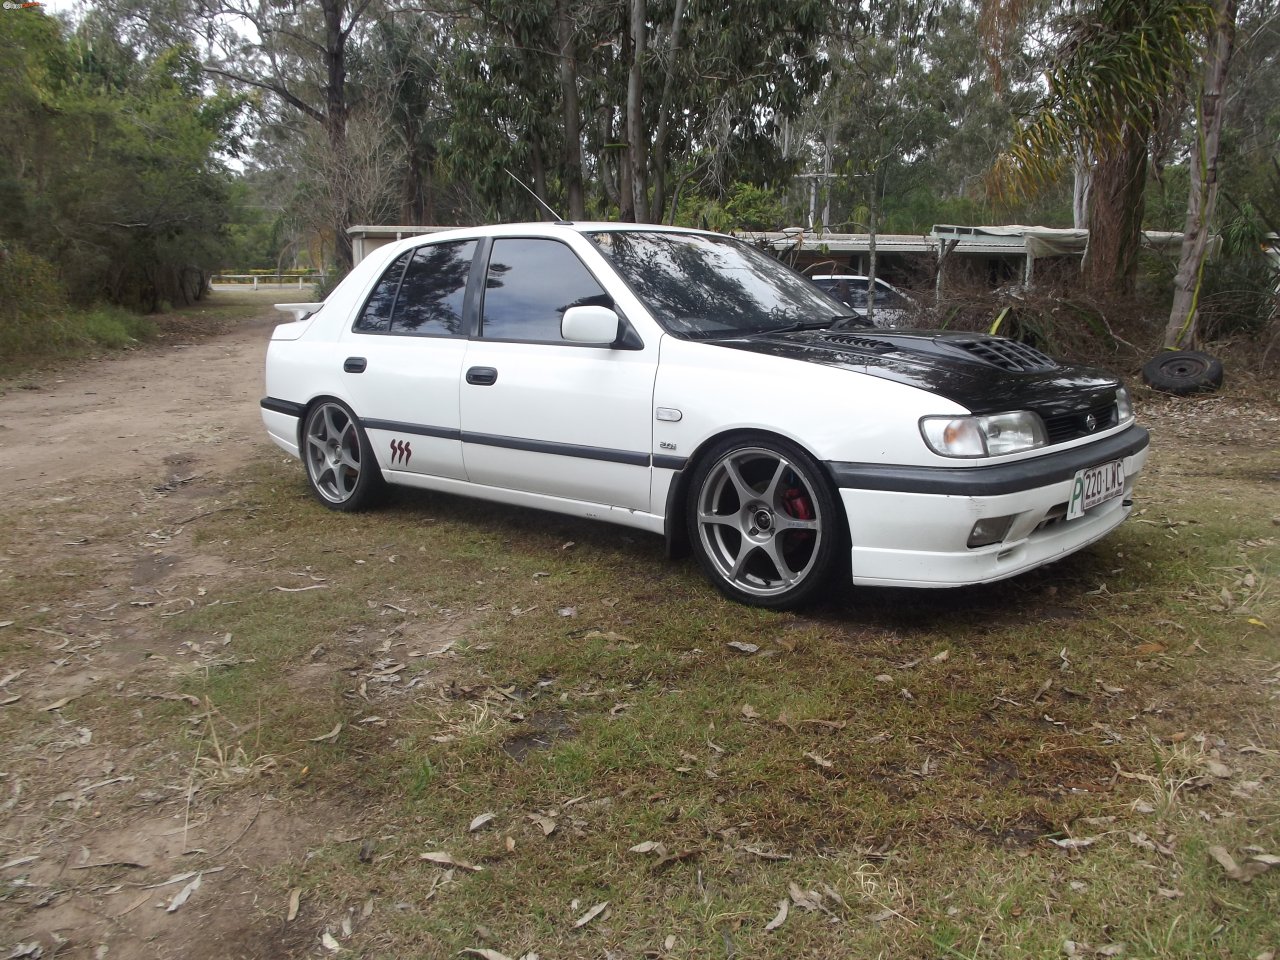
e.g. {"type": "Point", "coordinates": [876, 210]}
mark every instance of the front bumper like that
{"type": "Point", "coordinates": [909, 525]}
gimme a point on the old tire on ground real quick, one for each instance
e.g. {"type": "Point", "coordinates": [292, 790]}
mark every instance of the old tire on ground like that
{"type": "Point", "coordinates": [764, 522]}
{"type": "Point", "coordinates": [1183, 372]}
{"type": "Point", "coordinates": [342, 470]}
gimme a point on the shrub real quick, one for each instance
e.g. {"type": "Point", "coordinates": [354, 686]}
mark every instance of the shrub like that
{"type": "Point", "coordinates": [32, 303]}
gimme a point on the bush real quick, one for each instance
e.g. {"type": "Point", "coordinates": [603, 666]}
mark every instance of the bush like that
{"type": "Point", "coordinates": [35, 322]}
{"type": "Point", "coordinates": [32, 303]}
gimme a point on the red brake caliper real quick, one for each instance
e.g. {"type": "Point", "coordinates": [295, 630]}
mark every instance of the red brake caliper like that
{"type": "Point", "coordinates": [800, 508]}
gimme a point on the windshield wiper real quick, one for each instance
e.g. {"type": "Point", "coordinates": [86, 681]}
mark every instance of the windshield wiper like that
{"type": "Point", "coordinates": [798, 325]}
{"type": "Point", "coordinates": [851, 319]}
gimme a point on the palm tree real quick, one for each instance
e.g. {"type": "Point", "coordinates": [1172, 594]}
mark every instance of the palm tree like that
{"type": "Point", "coordinates": [1117, 71]}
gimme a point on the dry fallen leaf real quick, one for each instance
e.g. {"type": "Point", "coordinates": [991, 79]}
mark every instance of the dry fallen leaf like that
{"type": "Point", "coordinates": [805, 899]}
{"type": "Point", "coordinates": [183, 895]}
{"type": "Point", "coordinates": [295, 899]}
{"type": "Point", "coordinates": [480, 821]}
{"type": "Point", "coordinates": [1218, 769]}
{"type": "Point", "coordinates": [742, 647]}
{"type": "Point", "coordinates": [443, 859]}
{"type": "Point", "coordinates": [649, 846]}
{"type": "Point", "coordinates": [547, 824]}
{"type": "Point", "coordinates": [1072, 843]}
{"type": "Point", "coordinates": [590, 915]}
{"type": "Point", "coordinates": [486, 954]}
{"type": "Point", "coordinates": [941, 656]}
{"type": "Point", "coordinates": [749, 712]}
{"type": "Point", "coordinates": [766, 854]}
{"type": "Point", "coordinates": [819, 761]}
{"type": "Point", "coordinates": [1254, 866]}
{"type": "Point", "coordinates": [331, 735]}
{"type": "Point", "coordinates": [330, 944]}
{"type": "Point", "coordinates": [780, 918]}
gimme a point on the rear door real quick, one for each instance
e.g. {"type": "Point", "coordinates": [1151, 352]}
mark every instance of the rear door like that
{"type": "Point", "coordinates": [404, 359]}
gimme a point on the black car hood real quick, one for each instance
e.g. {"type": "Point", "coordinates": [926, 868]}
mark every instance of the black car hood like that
{"type": "Point", "coordinates": [982, 373]}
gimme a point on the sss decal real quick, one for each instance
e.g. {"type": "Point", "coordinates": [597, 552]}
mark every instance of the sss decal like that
{"type": "Point", "coordinates": [401, 451]}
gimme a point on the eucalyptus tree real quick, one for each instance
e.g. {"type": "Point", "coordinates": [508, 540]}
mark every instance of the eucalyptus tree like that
{"type": "Point", "coordinates": [616, 104]}
{"type": "Point", "coordinates": [1183, 327]}
{"type": "Point", "coordinates": [298, 54]}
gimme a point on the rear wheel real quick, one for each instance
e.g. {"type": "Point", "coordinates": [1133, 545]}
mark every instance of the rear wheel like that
{"type": "Point", "coordinates": [764, 522]}
{"type": "Point", "coordinates": [341, 469]}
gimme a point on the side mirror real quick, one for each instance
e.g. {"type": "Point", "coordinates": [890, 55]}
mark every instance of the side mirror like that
{"type": "Point", "coordinates": [598, 325]}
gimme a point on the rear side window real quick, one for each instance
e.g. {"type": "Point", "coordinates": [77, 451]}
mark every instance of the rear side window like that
{"type": "Point", "coordinates": [433, 289]}
{"type": "Point", "coordinates": [422, 293]}
{"type": "Point", "coordinates": [530, 284]}
{"type": "Point", "coordinates": [376, 315]}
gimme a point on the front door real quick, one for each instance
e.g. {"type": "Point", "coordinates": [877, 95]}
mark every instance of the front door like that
{"type": "Point", "coordinates": [543, 415]}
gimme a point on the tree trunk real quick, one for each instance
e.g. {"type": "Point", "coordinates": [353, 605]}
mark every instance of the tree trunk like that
{"type": "Point", "coordinates": [1115, 217]}
{"type": "Point", "coordinates": [872, 216]}
{"type": "Point", "coordinates": [1081, 187]}
{"type": "Point", "coordinates": [658, 156]}
{"type": "Point", "coordinates": [335, 123]}
{"type": "Point", "coordinates": [572, 120]}
{"type": "Point", "coordinates": [637, 137]}
{"type": "Point", "coordinates": [1184, 316]}
{"type": "Point", "coordinates": [539, 168]}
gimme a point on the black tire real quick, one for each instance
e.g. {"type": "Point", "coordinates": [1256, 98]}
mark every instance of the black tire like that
{"type": "Point", "coordinates": [1183, 372]}
{"type": "Point", "coordinates": [764, 522]}
{"type": "Point", "coordinates": [342, 470]}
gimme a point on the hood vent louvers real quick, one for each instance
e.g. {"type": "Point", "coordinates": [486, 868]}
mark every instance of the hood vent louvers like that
{"type": "Point", "coordinates": [1007, 354]}
{"type": "Point", "coordinates": [862, 343]}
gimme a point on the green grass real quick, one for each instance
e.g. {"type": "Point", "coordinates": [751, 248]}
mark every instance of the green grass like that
{"type": "Point", "coordinates": [934, 815]}
{"type": "Point", "coordinates": [33, 343]}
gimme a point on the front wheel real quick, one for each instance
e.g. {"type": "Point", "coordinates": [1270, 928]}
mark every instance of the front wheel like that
{"type": "Point", "coordinates": [764, 523]}
{"type": "Point", "coordinates": [341, 469]}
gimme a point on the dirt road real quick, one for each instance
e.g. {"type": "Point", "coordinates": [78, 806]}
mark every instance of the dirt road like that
{"type": "Point", "coordinates": [99, 463]}
{"type": "Point", "coordinates": [122, 419]}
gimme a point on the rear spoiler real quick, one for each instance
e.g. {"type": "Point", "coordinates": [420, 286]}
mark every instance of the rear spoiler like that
{"type": "Point", "coordinates": [300, 311]}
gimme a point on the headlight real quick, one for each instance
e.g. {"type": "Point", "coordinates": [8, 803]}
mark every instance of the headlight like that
{"type": "Point", "coordinates": [992, 436]}
{"type": "Point", "coordinates": [1124, 406]}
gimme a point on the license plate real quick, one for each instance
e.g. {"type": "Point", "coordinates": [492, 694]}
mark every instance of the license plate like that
{"type": "Point", "coordinates": [1095, 485]}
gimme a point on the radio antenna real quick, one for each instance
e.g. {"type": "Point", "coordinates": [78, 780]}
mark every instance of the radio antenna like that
{"type": "Point", "coordinates": [542, 203]}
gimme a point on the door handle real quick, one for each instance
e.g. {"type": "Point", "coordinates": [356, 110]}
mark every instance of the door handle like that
{"type": "Point", "coordinates": [482, 376]}
{"type": "Point", "coordinates": [355, 364]}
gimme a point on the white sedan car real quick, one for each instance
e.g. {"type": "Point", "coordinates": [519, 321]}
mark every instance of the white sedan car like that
{"type": "Point", "coordinates": [684, 383]}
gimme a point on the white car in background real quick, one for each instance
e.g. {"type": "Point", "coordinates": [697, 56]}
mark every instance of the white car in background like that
{"type": "Point", "coordinates": [683, 383]}
{"type": "Point", "coordinates": [892, 307]}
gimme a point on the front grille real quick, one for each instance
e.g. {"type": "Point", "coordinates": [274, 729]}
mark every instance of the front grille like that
{"type": "Point", "coordinates": [1007, 354]}
{"type": "Point", "coordinates": [862, 343]}
{"type": "Point", "coordinates": [1072, 426]}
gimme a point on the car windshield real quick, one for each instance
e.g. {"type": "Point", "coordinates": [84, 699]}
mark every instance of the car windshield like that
{"type": "Point", "coordinates": [705, 287]}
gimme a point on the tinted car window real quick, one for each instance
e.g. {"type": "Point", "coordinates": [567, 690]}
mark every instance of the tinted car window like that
{"type": "Point", "coordinates": [432, 291]}
{"type": "Point", "coordinates": [530, 284]}
{"type": "Point", "coordinates": [376, 315]}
